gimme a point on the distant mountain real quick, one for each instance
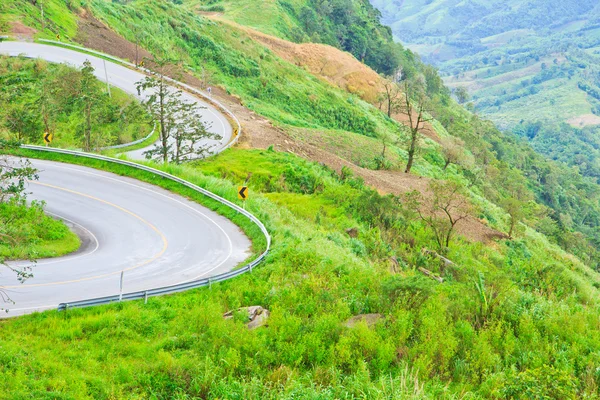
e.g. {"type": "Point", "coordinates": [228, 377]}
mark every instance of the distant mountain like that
{"type": "Point", "coordinates": [532, 66]}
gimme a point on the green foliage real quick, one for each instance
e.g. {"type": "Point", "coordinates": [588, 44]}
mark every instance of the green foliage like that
{"type": "Point", "coordinates": [38, 97]}
{"type": "Point", "coordinates": [352, 26]}
{"type": "Point", "coordinates": [503, 313]}
{"type": "Point", "coordinates": [316, 277]}
{"type": "Point", "coordinates": [27, 233]}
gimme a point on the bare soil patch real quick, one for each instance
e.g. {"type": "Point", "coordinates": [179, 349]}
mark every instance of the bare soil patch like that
{"type": "Point", "coordinates": [337, 67]}
{"type": "Point", "coordinates": [22, 32]}
{"type": "Point", "coordinates": [94, 34]}
{"type": "Point", "coordinates": [584, 120]}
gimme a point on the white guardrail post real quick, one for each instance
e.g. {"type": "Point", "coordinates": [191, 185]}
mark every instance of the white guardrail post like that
{"type": "Point", "coordinates": [173, 288]}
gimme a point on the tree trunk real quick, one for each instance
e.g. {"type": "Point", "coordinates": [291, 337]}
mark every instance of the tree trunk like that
{"type": "Point", "coordinates": [163, 129]}
{"type": "Point", "coordinates": [512, 227]}
{"type": "Point", "coordinates": [447, 164]}
{"type": "Point", "coordinates": [411, 151]}
{"type": "Point", "coordinates": [88, 127]}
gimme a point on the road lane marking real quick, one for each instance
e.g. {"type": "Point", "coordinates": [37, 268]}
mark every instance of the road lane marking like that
{"type": "Point", "coordinates": [154, 258]}
{"type": "Point", "coordinates": [67, 258]}
{"type": "Point", "coordinates": [82, 170]}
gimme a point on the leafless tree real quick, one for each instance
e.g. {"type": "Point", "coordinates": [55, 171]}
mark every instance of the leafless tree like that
{"type": "Point", "coordinates": [414, 106]}
{"type": "Point", "coordinates": [452, 150]}
{"type": "Point", "coordinates": [446, 208]}
{"type": "Point", "coordinates": [182, 128]}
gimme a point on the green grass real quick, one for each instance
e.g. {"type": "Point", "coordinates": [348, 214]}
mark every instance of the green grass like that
{"type": "Point", "coordinates": [26, 233]}
{"type": "Point", "coordinates": [266, 16]}
{"type": "Point", "coordinates": [315, 278]}
{"type": "Point", "coordinates": [514, 317]}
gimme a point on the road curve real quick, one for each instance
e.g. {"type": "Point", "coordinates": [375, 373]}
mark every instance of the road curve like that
{"type": "Point", "coordinates": [125, 79]}
{"type": "Point", "coordinates": [156, 237]}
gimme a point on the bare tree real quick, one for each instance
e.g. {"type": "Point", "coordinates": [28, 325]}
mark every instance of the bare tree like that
{"type": "Point", "coordinates": [414, 106]}
{"type": "Point", "coordinates": [387, 139]}
{"type": "Point", "coordinates": [392, 93]}
{"type": "Point", "coordinates": [182, 129]}
{"type": "Point", "coordinates": [452, 150]}
{"type": "Point", "coordinates": [447, 207]}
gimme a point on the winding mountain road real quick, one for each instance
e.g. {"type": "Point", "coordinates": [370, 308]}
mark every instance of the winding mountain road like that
{"type": "Point", "coordinates": [125, 79]}
{"type": "Point", "coordinates": [154, 237]}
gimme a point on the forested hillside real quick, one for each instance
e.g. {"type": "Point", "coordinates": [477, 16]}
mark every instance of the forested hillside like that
{"type": "Point", "coordinates": [372, 294]}
{"type": "Point", "coordinates": [522, 62]}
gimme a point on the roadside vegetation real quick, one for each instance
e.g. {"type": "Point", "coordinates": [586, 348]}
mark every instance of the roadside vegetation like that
{"type": "Point", "coordinates": [26, 232]}
{"type": "Point", "coordinates": [339, 250]}
{"type": "Point", "coordinates": [38, 97]}
{"type": "Point", "coordinates": [370, 295]}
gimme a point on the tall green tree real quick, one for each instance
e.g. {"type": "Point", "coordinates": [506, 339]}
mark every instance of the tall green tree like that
{"type": "Point", "coordinates": [89, 97]}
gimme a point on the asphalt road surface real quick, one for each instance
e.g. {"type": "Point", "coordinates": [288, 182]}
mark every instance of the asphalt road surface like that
{"type": "Point", "coordinates": [125, 79]}
{"type": "Point", "coordinates": [155, 237]}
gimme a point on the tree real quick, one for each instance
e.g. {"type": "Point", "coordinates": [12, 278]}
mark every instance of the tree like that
{"type": "Point", "coordinates": [516, 198]}
{"type": "Point", "coordinates": [413, 105]}
{"type": "Point", "coordinates": [182, 129]}
{"type": "Point", "coordinates": [462, 95]}
{"type": "Point", "coordinates": [392, 93]}
{"type": "Point", "coordinates": [446, 208]}
{"type": "Point", "coordinates": [23, 122]}
{"type": "Point", "coordinates": [89, 97]}
{"type": "Point", "coordinates": [387, 139]}
{"type": "Point", "coordinates": [46, 104]}
{"type": "Point", "coordinates": [14, 173]}
{"type": "Point", "coordinates": [452, 150]}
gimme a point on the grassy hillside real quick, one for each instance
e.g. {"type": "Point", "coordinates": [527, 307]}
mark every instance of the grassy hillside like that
{"type": "Point", "coordinates": [510, 318]}
{"type": "Point", "coordinates": [489, 330]}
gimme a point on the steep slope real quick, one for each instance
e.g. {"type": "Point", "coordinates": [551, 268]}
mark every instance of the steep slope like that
{"type": "Point", "coordinates": [343, 252]}
{"type": "Point", "coordinates": [523, 62]}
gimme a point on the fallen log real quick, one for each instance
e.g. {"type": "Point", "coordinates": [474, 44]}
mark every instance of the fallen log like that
{"type": "Point", "coordinates": [431, 275]}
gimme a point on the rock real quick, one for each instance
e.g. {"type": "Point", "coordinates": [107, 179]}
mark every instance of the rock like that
{"type": "Point", "coordinates": [257, 316]}
{"type": "Point", "coordinates": [352, 232]}
{"type": "Point", "coordinates": [369, 319]}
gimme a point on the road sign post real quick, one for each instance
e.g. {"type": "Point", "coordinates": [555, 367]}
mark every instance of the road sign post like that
{"type": "Point", "coordinates": [106, 75]}
{"type": "Point", "coordinates": [243, 195]}
{"type": "Point", "coordinates": [48, 138]}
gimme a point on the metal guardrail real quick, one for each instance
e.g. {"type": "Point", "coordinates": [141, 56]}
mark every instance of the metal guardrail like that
{"type": "Point", "coordinates": [236, 131]}
{"type": "Point", "coordinates": [144, 294]}
{"type": "Point", "coordinates": [124, 145]}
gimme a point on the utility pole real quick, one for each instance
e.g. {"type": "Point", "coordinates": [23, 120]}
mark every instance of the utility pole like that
{"type": "Point", "coordinates": [43, 20]}
{"type": "Point", "coordinates": [106, 75]}
{"type": "Point", "coordinates": [137, 41]}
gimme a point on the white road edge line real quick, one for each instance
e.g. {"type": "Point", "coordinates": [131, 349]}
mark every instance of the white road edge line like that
{"type": "Point", "coordinates": [168, 197]}
{"type": "Point", "coordinates": [75, 257]}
